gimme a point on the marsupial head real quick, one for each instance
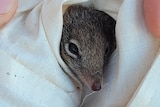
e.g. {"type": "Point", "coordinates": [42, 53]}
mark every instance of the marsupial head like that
{"type": "Point", "coordinates": [88, 40]}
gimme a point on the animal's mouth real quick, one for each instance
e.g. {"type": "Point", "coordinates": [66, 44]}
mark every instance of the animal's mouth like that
{"type": "Point", "coordinates": [96, 85]}
{"type": "Point", "coordinates": [93, 83]}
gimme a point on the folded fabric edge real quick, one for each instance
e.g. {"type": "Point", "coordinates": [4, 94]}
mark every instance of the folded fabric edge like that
{"type": "Point", "coordinates": [146, 92]}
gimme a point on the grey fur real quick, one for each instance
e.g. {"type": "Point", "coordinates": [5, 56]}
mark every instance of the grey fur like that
{"type": "Point", "coordinates": [95, 33]}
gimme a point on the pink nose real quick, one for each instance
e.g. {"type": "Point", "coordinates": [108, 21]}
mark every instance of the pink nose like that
{"type": "Point", "coordinates": [96, 86]}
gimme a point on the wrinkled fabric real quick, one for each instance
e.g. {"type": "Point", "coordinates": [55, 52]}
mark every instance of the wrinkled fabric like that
{"type": "Point", "coordinates": [31, 72]}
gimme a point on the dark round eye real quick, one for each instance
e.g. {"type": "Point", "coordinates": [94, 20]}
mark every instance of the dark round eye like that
{"type": "Point", "coordinates": [73, 48]}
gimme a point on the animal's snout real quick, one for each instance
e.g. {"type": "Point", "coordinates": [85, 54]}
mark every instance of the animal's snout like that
{"type": "Point", "coordinates": [96, 86]}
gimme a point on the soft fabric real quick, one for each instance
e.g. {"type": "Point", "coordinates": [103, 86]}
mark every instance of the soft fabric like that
{"type": "Point", "coordinates": [30, 72]}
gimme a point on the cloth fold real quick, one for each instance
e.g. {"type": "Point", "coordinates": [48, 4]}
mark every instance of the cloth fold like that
{"type": "Point", "coordinates": [30, 63]}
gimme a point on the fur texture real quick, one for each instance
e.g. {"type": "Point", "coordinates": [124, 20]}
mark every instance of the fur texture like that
{"type": "Point", "coordinates": [93, 33]}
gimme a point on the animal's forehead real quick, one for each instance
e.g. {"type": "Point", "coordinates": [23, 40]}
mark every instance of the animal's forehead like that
{"type": "Point", "coordinates": [86, 31]}
{"type": "Point", "coordinates": [90, 44]}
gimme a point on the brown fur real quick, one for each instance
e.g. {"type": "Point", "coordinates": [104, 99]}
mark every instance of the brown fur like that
{"type": "Point", "coordinates": [94, 32]}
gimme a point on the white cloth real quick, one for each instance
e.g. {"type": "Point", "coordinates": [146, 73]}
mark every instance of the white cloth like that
{"type": "Point", "coordinates": [30, 75]}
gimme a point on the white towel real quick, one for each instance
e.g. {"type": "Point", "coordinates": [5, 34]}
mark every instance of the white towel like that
{"type": "Point", "coordinates": [30, 75]}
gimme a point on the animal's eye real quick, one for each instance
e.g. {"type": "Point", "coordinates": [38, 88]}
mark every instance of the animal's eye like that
{"type": "Point", "coordinates": [73, 48]}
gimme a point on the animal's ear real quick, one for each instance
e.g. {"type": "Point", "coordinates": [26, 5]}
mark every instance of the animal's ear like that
{"type": "Point", "coordinates": [109, 25]}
